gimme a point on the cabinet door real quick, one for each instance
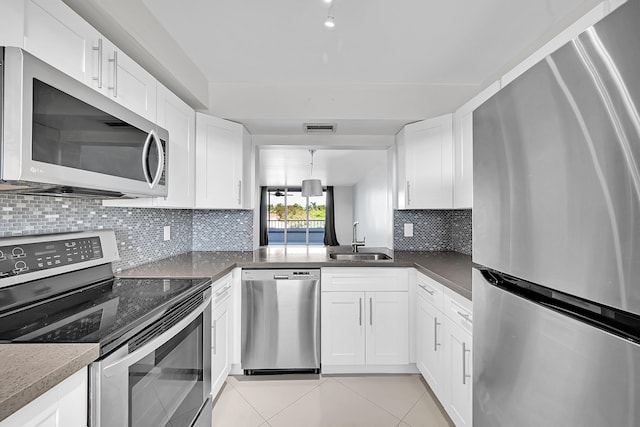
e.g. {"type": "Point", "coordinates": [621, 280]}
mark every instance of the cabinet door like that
{"type": "Point", "coordinates": [220, 361]}
{"type": "Point", "coordinates": [65, 405]}
{"type": "Point", "coordinates": [463, 148]}
{"type": "Point", "coordinates": [458, 375]}
{"type": "Point", "coordinates": [428, 163]}
{"type": "Point", "coordinates": [387, 320]}
{"type": "Point", "coordinates": [342, 331]}
{"type": "Point", "coordinates": [57, 35]}
{"type": "Point", "coordinates": [430, 359]}
{"type": "Point", "coordinates": [128, 83]}
{"type": "Point", "coordinates": [219, 150]}
{"type": "Point", "coordinates": [179, 119]}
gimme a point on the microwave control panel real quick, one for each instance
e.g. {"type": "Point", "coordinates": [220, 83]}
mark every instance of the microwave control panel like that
{"type": "Point", "coordinates": [27, 258]}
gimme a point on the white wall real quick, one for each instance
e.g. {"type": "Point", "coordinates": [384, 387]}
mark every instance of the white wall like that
{"type": "Point", "coordinates": [372, 208]}
{"type": "Point", "coordinates": [343, 205]}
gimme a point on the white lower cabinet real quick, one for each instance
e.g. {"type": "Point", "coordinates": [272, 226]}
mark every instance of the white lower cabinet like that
{"type": "Point", "coordinates": [364, 320]}
{"type": "Point", "coordinates": [221, 333]}
{"type": "Point", "coordinates": [342, 331]}
{"type": "Point", "coordinates": [430, 357]}
{"type": "Point", "coordinates": [65, 405]}
{"type": "Point", "coordinates": [444, 347]}
{"type": "Point", "coordinates": [458, 380]}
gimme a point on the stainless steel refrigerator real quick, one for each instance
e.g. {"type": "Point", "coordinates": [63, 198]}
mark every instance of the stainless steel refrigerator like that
{"type": "Point", "coordinates": [556, 237]}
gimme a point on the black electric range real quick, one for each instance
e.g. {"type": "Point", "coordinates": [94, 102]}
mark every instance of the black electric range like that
{"type": "Point", "coordinates": [61, 289]}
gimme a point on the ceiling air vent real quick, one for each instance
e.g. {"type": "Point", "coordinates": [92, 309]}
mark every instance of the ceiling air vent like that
{"type": "Point", "coordinates": [319, 127]}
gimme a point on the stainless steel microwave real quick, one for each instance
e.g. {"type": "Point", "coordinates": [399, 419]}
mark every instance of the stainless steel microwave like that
{"type": "Point", "coordinates": [61, 137]}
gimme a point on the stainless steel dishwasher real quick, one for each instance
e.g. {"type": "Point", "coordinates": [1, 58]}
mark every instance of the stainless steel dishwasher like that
{"type": "Point", "coordinates": [280, 321]}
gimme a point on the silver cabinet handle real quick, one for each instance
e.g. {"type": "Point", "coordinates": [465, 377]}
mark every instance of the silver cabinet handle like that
{"type": "Point", "coordinates": [408, 193]}
{"type": "Point", "coordinates": [435, 334]}
{"type": "Point", "coordinates": [215, 337]}
{"type": "Point", "coordinates": [280, 277]}
{"type": "Point", "coordinates": [465, 316]}
{"type": "Point", "coordinates": [223, 291]}
{"type": "Point", "coordinates": [370, 311]}
{"type": "Point", "coordinates": [465, 350]}
{"type": "Point", "coordinates": [152, 137]}
{"type": "Point", "coordinates": [115, 73]}
{"type": "Point", "coordinates": [239, 193]}
{"type": "Point", "coordinates": [99, 50]}
{"type": "Point", "coordinates": [427, 290]}
{"type": "Point", "coordinates": [360, 316]}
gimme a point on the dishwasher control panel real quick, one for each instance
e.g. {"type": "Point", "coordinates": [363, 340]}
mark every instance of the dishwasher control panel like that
{"type": "Point", "coordinates": [281, 274]}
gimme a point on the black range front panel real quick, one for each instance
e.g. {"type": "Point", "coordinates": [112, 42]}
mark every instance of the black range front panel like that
{"type": "Point", "coordinates": [30, 257]}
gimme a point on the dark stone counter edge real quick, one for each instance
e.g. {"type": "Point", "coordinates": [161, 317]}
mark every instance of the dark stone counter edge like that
{"type": "Point", "coordinates": [31, 392]}
{"type": "Point", "coordinates": [390, 263]}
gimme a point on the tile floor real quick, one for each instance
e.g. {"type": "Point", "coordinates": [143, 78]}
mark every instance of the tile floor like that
{"type": "Point", "coordinates": [334, 401]}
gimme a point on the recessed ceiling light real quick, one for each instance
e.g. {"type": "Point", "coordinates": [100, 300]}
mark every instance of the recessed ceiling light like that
{"type": "Point", "coordinates": [330, 22]}
{"type": "Point", "coordinates": [328, 1]}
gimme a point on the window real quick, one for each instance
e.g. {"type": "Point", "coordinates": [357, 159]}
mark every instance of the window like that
{"type": "Point", "coordinates": [293, 219]}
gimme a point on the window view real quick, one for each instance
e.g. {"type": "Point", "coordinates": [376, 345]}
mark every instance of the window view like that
{"type": "Point", "coordinates": [294, 222]}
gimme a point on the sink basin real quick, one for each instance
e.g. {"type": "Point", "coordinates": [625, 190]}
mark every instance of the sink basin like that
{"type": "Point", "coordinates": [360, 256]}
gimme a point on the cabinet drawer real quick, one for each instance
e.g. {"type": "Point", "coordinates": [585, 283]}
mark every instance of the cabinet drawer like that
{"type": "Point", "coordinates": [354, 279]}
{"type": "Point", "coordinates": [458, 309]}
{"type": "Point", "coordinates": [221, 290]}
{"type": "Point", "coordinates": [430, 290]}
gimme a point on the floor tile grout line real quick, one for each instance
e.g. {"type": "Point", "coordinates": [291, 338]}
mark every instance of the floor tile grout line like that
{"type": "Point", "coordinates": [367, 399]}
{"type": "Point", "coordinates": [323, 380]}
{"type": "Point", "coordinates": [411, 409]}
{"type": "Point", "coordinates": [414, 405]}
{"type": "Point", "coordinates": [403, 417]}
{"type": "Point", "coordinates": [252, 407]}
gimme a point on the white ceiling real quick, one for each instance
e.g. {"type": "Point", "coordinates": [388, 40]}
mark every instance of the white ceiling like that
{"type": "Point", "coordinates": [374, 41]}
{"type": "Point", "coordinates": [288, 167]}
{"type": "Point", "coordinates": [272, 65]}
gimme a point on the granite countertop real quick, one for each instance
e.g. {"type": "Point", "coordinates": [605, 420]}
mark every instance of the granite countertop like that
{"type": "Point", "coordinates": [29, 370]}
{"type": "Point", "coordinates": [452, 269]}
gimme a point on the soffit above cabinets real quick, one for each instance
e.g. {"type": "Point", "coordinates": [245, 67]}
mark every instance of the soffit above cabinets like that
{"type": "Point", "coordinates": [289, 166]}
{"type": "Point", "coordinates": [374, 41]}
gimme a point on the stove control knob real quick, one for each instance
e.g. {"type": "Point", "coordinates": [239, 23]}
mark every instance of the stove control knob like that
{"type": "Point", "coordinates": [2, 257]}
{"type": "Point", "coordinates": [18, 252]}
{"type": "Point", "coordinates": [20, 267]}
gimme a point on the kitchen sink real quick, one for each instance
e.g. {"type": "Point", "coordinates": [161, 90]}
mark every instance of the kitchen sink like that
{"type": "Point", "coordinates": [360, 256]}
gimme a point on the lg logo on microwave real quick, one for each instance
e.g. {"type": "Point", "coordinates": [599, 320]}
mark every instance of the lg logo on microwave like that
{"type": "Point", "coordinates": [36, 170]}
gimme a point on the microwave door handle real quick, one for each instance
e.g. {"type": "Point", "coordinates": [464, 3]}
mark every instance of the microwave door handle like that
{"type": "Point", "coordinates": [145, 158]}
{"type": "Point", "coordinates": [160, 167]}
{"type": "Point", "coordinates": [113, 368]}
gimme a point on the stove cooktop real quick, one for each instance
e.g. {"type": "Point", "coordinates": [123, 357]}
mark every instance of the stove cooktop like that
{"type": "Point", "coordinates": [102, 312]}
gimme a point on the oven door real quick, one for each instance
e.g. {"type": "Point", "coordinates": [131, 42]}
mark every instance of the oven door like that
{"type": "Point", "coordinates": [164, 382]}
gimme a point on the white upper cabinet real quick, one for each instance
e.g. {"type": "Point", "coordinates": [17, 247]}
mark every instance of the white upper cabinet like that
{"type": "Point", "coordinates": [57, 35]}
{"type": "Point", "coordinates": [463, 148]}
{"type": "Point", "coordinates": [180, 120]}
{"type": "Point", "coordinates": [54, 33]}
{"type": "Point", "coordinates": [127, 82]}
{"type": "Point", "coordinates": [223, 178]}
{"type": "Point", "coordinates": [425, 164]}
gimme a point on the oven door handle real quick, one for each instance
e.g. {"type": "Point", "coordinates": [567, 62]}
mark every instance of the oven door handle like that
{"type": "Point", "coordinates": [115, 367]}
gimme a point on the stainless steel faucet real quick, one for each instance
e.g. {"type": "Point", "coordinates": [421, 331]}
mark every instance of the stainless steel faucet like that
{"type": "Point", "coordinates": [355, 242]}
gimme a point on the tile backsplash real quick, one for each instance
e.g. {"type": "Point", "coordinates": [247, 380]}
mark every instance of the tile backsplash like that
{"type": "Point", "coordinates": [139, 232]}
{"type": "Point", "coordinates": [433, 230]}
{"type": "Point", "coordinates": [222, 230]}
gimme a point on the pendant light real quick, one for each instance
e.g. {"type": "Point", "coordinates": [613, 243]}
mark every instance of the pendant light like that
{"type": "Point", "coordinates": [311, 187]}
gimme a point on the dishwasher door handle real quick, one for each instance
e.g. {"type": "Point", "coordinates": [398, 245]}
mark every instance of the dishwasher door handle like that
{"type": "Point", "coordinates": [280, 277]}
